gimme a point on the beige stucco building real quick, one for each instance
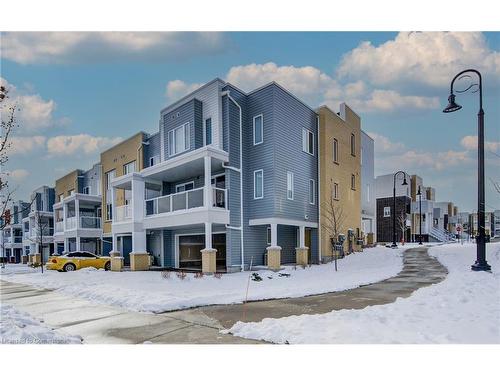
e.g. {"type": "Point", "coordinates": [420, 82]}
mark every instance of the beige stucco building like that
{"type": "Point", "coordinates": [340, 177]}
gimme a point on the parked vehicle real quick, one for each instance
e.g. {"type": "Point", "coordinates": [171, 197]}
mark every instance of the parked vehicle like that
{"type": "Point", "coordinates": [77, 260]}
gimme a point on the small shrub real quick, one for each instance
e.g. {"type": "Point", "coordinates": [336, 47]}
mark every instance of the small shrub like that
{"type": "Point", "coordinates": [303, 266]}
{"type": "Point", "coordinates": [198, 275]}
{"type": "Point", "coordinates": [165, 274]}
{"type": "Point", "coordinates": [218, 275]}
{"type": "Point", "coordinates": [256, 277]}
{"type": "Point", "coordinates": [181, 275]}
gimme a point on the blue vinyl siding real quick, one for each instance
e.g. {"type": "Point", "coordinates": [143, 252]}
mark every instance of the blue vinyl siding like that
{"type": "Point", "coordinates": [153, 149]}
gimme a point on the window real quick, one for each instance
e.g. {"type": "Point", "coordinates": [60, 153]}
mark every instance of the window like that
{"type": "Point", "coordinates": [153, 160]}
{"type": "Point", "coordinates": [179, 139]}
{"type": "Point", "coordinates": [208, 132]}
{"type": "Point", "coordinates": [307, 141]}
{"type": "Point", "coordinates": [387, 212]}
{"type": "Point", "coordinates": [129, 168]}
{"type": "Point", "coordinates": [71, 192]}
{"type": "Point", "coordinates": [335, 150]}
{"type": "Point", "coordinates": [258, 130]}
{"type": "Point", "coordinates": [109, 177]}
{"type": "Point", "coordinates": [258, 184]}
{"type": "Point", "coordinates": [289, 185]}
{"type": "Point", "coordinates": [109, 211]}
{"type": "Point", "coordinates": [312, 191]}
{"type": "Point", "coordinates": [353, 145]}
{"type": "Point", "coordinates": [86, 190]}
{"type": "Point", "coordinates": [353, 182]}
{"type": "Point", "coordinates": [268, 239]}
{"type": "Point", "coordinates": [335, 191]}
{"type": "Point", "coordinates": [61, 197]}
{"type": "Point", "coordinates": [184, 187]}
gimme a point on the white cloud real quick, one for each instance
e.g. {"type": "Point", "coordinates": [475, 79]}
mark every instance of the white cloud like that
{"type": "Point", "coordinates": [18, 175]}
{"type": "Point", "coordinates": [469, 142]}
{"type": "Point", "coordinates": [177, 89]}
{"type": "Point", "coordinates": [78, 47]}
{"type": "Point", "coordinates": [390, 101]}
{"type": "Point", "coordinates": [34, 113]}
{"type": "Point", "coordinates": [385, 145]}
{"type": "Point", "coordinates": [74, 145]}
{"type": "Point", "coordinates": [431, 58]}
{"type": "Point", "coordinates": [26, 145]}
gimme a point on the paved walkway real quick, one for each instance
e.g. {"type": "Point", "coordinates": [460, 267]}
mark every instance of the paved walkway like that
{"type": "Point", "coordinates": [98, 323]}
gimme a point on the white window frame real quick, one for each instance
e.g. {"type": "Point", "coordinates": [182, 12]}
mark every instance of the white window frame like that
{"type": "Point", "coordinates": [261, 129]}
{"type": "Point", "coordinates": [154, 160]}
{"type": "Point", "coordinates": [289, 185]}
{"type": "Point", "coordinates": [387, 211]}
{"type": "Point", "coordinates": [305, 141]}
{"type": "Point", "coordinates": [183, 185]}
{"type": "Point", "coordinates": [353, 182]}
{"type": "Point", "coordinates": [61, 197]}
{"type": "Point", "coordinates": [109, 211]}
{"type": "Point", "coordinates": [254, 183]}
{"type": "Point", "coordinates": [205, 132]}
{"type": "Point", "coordinates": [336, 191]}
{"type": "Point", "coordinates": [108, 179]}
{"type": "Point", "coordinates": [268, 235]}
{"type": "Point", "coordinates": [86, 188]}
{"type": "Point", "coordinates": [128, 166]}
{"type": "Point", "coordinates": [312, 191]}
{"type": "Point", "coordinates": [335, 150]}
{"type": "Point", "coordinates": [187, 140]}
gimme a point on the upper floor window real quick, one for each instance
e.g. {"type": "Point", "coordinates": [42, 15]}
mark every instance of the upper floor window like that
{"type": "Point", "coordinates": [336, 191]}
{"type": "Point", "coordinates": [335, 150]}
{"type": "Point", "coordinates": [387, 211]}
{"type": "Point", "coordinates": [208, 132]}
{"type": "Point", "coordinates": [109, 177]}
{"type": "Point", "coordinates": [258, 130]}
{"type": "Point", "coordinates": [129, 168]}
{"type": "Point", "coordinates": [353, 182]}
{"type": "Point", "coordinates": [86, 190]}
{"type": "Point", "coordinates": [289, 185]}
{"type": "Point", "coordinates": [307, 141]}
{"type": "Point", "coordinates": [312, 191]}
{"type": "Point", "coordinates": [258, 184]}
{"type": "Point", "coordinates": [179, 139]}
{"type": "Point", "coordinates": [353, 145]}
{"type": "Point", "coordinates": [184, 187]}
{"type": "Point", "coordinates": [71, 192]}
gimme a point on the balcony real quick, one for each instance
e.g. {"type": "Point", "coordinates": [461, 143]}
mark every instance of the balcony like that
{"type": "Point", "coordinates": [71, 223]}
{"type": "Point", "coordinates": [89, 222]}
{"type": "Point", "coordinates": [59, 226]}
{"type": "Point", "coordinates": [35, 232]}
{"type": "Point", "coordinates": [123, 213]}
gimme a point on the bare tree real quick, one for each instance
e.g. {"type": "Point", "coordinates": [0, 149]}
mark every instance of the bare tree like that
{"type": "Point", "coordinates": [401, 224]}
{"type": "Point", "coordinates": [496, 185]}
{"type": "Point", "coordinates": [41, 230]}
{"type": "Point", "coordinates": [333, 222]}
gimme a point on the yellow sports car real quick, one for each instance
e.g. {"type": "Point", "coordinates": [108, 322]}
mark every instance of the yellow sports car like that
{"type": "Point", "coordinates": [76, 260]}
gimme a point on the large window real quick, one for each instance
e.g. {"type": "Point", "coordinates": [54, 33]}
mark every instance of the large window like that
{"type": "Point", "coordinates": [353, 145]}
{"type": "Point", "coordinates": [335, 150]}
{"type": "Point", "coordinates": [129, 168]}
{"type": "Point", "coordinates": [289, 185]}
{"type": "Point", "coordinates": [208, 132]}
{"type": "Point", "coordinates": [258, 184]}
{"type": "Point", "coordinates": [307, 141]}
{"type": "Point", "coordinates": [312, 192]}
{"type": "Point", "coordinates": [179, 139]}
{"type": "Point", "coordinates": [258, 130]}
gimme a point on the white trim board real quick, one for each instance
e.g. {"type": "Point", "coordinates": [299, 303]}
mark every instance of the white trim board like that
{"type": "Point", "coordinates": [281, 221]}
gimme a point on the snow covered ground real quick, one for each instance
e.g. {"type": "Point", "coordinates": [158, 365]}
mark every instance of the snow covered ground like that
{"type": "Point", "coordinates": [17, 327]}
{"type": "Point", "coordinates": [150, 292]}
{"type": "Point", "coordinates": [464, 308]}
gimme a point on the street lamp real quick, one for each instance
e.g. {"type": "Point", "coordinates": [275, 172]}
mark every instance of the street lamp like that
{"type": "Point", "coordinates": [394, 245]}
{"type": "Point", "coordinates": [419, 193]}
{"type": "Point", "coordinates": [481, 264]}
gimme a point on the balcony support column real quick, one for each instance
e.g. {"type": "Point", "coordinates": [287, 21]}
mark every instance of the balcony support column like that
{"type": "Point", "coordinates": [78, 243]}
{"type": "Point", "coordinates": [207, 192]}
{"type": "Point", "coordinates": [138, 199]}
{"type": "Point", "coordinates": [113, 205]}
{"type": "Point", "coordinates": [77, 213]}
{"type": "Point", "coordinates": [65, 216]}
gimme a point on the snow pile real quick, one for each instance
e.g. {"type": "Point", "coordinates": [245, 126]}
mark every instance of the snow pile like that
{"type": "Point", "coordinates": [17, 327]}
{"type": "Point", "coordinates": [150, 292]}
{"type": "Point", "coordinates": [12, 268]}
{"type": "Point", "coordinates": [464, 308]}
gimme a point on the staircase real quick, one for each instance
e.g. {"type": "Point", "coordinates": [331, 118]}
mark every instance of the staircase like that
{"type": "Point", "coordinates": [441, 235]}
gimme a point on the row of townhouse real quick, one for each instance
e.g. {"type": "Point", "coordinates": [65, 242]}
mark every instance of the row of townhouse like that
{"type": "Point", "coordinates": [418, 215]}
{"type": "Point", "coordinates": [242, 178]}
{"type": "Point", "coordinates": [468, 223]}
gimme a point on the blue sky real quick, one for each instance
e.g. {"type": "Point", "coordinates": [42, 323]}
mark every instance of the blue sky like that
{"type": "Point", "coordinates": [80, 92]}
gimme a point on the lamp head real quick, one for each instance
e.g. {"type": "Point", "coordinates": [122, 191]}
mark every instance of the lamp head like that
{"type": "Point", "coordinates": [419, 192]}
{"type": "Point", "coordinates": [404, 181]}
{"type": "Point", "coordinates": [452, 105]}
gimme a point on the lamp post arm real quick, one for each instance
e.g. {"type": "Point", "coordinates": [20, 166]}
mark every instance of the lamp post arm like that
{"type": "Point", "coordinates": [480, 85]}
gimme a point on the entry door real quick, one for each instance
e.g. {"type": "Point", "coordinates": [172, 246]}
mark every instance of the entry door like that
{"type": "Point", "coordinates": [189, 251]}
{"type": "Point", "coordinates": [308, 242]}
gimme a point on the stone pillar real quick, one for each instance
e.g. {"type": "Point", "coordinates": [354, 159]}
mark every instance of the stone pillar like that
{"type": "Point", "coordinates": [116, 263]}
{"type": "Point", "coordinates": [302, 256]}
{"type": "Point", "coordinates": [37, 258]}
{"type": "Point", "coordinates": [139, 261]}
{"type": "Point", "coordinates": [25, 259]}
{"type": "Point", "coordinates": [208, 254]}
{"type": "Point", "coordinates": [274, 258]}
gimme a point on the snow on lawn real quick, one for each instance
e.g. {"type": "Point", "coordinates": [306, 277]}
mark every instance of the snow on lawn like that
{"type": "Point", "coordinates": [464, 308]}
{"type": "Point", "coordinates": [150, 292]}
{"type": "Point", "coordinates": [17, 327]}
{"type": "Point", "coordinates": [12, 268]}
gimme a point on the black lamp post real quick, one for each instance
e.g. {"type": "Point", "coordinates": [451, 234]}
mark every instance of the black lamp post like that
{"type": "Point", "coordinates": [419, 193]}
{"type": "Point", "coordinates": [394, 245]}
{"type": "Point", "coordinates": [481, 264]}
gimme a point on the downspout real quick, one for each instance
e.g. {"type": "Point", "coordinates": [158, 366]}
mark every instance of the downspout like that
{"type": "Point", "coordinates": [319, 200]}
{"type": "Point", "coordinates": [241, 179]}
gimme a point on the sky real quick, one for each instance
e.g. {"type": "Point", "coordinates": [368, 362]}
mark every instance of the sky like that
{"type": "Point", "coordinates": [80, 93]}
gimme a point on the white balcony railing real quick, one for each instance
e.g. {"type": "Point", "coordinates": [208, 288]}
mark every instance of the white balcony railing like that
{"type": "Point", "coordinates": [123, 213]}
{"type": "Point", "coordinates": [185, 200]}
{"type": "Point", "coordinates": [90, 222]}
{"type": "Point", "coordinates": [59, 226]}
{"type": "Point", "coordinates": [70, 222]}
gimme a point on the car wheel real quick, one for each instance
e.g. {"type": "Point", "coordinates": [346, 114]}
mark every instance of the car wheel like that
{"type": "Point", "coordinates": [107, 266]}
{"type": "Point", "coordinates": [69, 267]}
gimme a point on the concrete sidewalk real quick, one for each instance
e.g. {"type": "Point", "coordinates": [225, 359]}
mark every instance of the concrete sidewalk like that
{"type": "Point", "coordinates": [97, 323]}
